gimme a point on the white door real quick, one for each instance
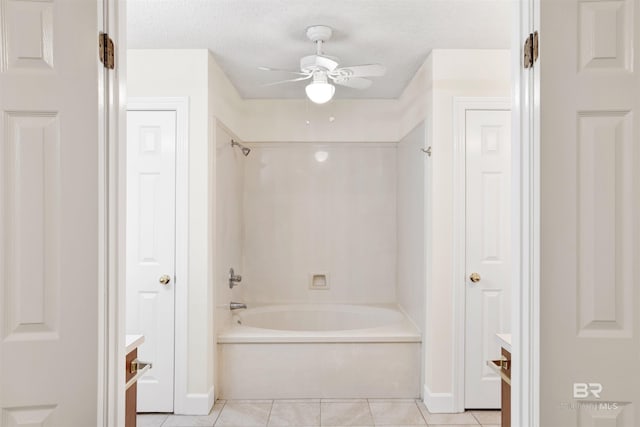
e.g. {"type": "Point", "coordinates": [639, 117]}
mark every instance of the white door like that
{"type": "Point", "coordinates": [488, 139]}
{"type": "Point", "coordinates": [49, 211]}
{"type": "Point", "coordinates": [590, 213]}
{"type": "Point", "coordinates": [151, 175]}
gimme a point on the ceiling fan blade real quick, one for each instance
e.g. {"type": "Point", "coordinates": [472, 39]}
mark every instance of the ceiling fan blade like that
{"type": "Point", "coordinates": [368, 70]}
{"type": "Point", "coordinates": [330, 63]}
{"type": "Point", "coordinates": [298, 73]}
{"type": "Point", "coordinates": [311, 63]}
{"type": "Point", "coordinates": [353, 82]}
{"type": "Point", "coordinates": [289, 81]}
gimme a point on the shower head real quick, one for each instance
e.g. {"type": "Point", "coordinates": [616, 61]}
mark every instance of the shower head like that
{"type": "Point", "coordinates": [245, 150]}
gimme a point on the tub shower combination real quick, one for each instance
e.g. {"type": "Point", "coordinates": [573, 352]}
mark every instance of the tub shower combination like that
{"type": "Point", "coordinates": [319, 351]}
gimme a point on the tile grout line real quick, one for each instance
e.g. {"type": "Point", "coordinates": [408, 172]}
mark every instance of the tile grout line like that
{"type": "Point", "coordinates": [272, 402]}
{"type": "Point", "coordinates": [475, 418]}
{"type": "Point", "coordinates": [421, 413]}
{"type": "Point", "coordinates": [371, 412]}
{"type": "Point", "coordinates": [219, 413]}
{"type": "Point", "coordinates": [270, 411]}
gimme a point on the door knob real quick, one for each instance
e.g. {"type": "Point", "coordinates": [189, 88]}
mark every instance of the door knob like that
{"type": "Point", "coordinates": [475, 277]}
{"type": "Point", "coordinates": [165, 279]}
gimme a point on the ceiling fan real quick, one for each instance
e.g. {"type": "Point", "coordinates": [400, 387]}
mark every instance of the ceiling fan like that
{"type": "Point", "coordinates": [324, 70]}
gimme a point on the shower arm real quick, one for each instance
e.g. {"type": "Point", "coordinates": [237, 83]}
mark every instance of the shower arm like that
{"type": "Point", "coordinates": [245, 150]}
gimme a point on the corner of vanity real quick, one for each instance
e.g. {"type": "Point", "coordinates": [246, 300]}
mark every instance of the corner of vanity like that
{"type": "Point", "coordinates": [134, 370]}
{"type": "Point", "coordinates": [503, 367]}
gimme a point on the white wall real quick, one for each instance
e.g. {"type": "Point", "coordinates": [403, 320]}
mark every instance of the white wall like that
{"type": "Point", "coordinates": [414, 199]}
{"type": "Point", "coordinates": [279, 120]}
{"type": "Point", "coordinates": [411, 254]}
{"type": "Point", "coordinates": [224, 183]}
{"type": "Point", "coordinates": [225, 103]}
{"type": "Point", "coordinates": [456, 73]}
{"type": "Point", "coordinates": [151, 74]}
{"type": "Point", "coordinates": [305, 216]}
{"type": "Point", "coordinates": [415, 103]}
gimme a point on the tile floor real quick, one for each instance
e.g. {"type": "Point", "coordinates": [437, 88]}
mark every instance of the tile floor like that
{"type": "Point", "coordinates": [322, 412]}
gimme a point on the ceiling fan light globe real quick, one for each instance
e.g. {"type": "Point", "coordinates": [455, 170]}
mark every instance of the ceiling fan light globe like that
{"type": "Point", "coordinates": [320, 93]}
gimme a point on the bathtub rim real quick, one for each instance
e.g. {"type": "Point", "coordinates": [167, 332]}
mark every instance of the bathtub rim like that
{"type": "Point", "coordinates": [402, 331]}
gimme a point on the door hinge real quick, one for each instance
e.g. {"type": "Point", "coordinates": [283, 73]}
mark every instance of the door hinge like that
{"type": "Point", "coordinates": [107, 51]}
{"type": "Point", "coordinates": [531, 50]}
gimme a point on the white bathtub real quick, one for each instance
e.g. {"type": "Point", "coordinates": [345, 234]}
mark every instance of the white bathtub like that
{"type": "Point", "coordinates": [319, 351]}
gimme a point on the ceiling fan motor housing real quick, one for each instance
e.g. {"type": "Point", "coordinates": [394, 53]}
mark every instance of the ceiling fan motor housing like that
{"type": "Point", "coordinates": [313, 63]}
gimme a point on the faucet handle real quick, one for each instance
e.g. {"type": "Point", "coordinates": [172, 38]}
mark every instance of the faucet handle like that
{"type": "Point", "coordinates": [234, 279]}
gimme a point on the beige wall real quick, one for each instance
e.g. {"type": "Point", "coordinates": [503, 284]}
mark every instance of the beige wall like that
{"type": "Point", "coordinates": [413, 119]}
{"type": "Point", "coordinates": [227, 233]}
{"type": "Point", "coordinates": [445, 75]}
{"type": "Point", "coordinates": [279, 120]}
{"type": "Point", "coordinates": [336, 217]}
{"type": "Point", "coordinates": [411, 204]}
{"type": "Point", "coordinates": [456, 73]}
{"type": "Point", "coordinates": [225, 170]}
{"type": "Point", "coordinates": [150, 74]}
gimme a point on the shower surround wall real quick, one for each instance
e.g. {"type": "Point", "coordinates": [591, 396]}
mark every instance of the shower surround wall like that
{"type": "Point", "coordinates": [412, 212]}
{"type": "Point", "coordinates": [325, 208]}
{"type": "Point", "coordinates": [229, 224]}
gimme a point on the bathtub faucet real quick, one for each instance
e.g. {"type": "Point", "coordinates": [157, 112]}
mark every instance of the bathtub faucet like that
{"type": "Point", "coordinates": [236, 305]}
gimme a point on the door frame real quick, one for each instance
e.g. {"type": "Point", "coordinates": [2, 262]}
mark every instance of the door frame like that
{"type": "Point", "coordinates": [111, 19]}
{"type": "Point", "coordinates": [181, 280]}
{"type": "Point", "coordinates": [525, 184]}
{"type": "Point", "coordinates": [460, 106]}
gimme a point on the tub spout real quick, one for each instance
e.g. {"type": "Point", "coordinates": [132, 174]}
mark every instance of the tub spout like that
{"type": "Point", "coordinates": [236, 305]}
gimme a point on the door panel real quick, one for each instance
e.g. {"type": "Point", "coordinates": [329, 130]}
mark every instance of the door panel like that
{"type": "Point", "coordinates": [49, 194]}
{"type": "Point", "coordinates": [151, 145]}
{"type": "Point", "coordinates": [488, 207]}
{"type": "Point", "coordinates": [589, 216]}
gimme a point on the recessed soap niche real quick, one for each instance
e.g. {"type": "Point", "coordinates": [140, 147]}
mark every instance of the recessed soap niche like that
{"type": "Point", "coordinates": [319, 281]}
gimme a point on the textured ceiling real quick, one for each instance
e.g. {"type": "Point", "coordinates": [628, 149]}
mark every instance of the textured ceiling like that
{"type": "Point", "coordinates": [245, 34]}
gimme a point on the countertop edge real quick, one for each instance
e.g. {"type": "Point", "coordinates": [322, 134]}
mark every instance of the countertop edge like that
{"type": "Point", "coordinates": [132, 342]}
{"type": "Point", "coordinates": [505, 341]}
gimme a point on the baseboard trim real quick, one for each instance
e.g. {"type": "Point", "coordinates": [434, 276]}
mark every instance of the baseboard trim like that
{"type": "Point", "coordinates": [197, 403]}
{"type": "Point", "coordinates": [438, 403]}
